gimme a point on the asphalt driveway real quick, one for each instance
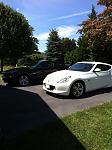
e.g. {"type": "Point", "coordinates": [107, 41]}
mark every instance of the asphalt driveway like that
{"type": "Point", "coordinates": [24, 108]}
{"type": "Point", "coordinates": [65, 105]}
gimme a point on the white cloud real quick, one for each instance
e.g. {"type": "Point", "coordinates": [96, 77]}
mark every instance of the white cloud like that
{"type": "Point", "coordinates": [63, 31]}
{"type": "Point", "coordinates": [17, 9]}
{"type": "Point", "coordinates": [67, 31]}
{"type": "Point", "coordinates": [43, 36]}
{"type": "Point", "coordinates": [71, 15]}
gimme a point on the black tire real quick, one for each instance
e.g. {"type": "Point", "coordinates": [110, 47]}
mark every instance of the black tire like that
{"type": "Point", "coordinates": [24, 80]}
{"type": "Point", "coordinates": [77, 89]}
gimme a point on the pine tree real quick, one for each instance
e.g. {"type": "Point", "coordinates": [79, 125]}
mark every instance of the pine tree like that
{"type": "Point", "coordinates": [54, 50]}
{"type": "Point", "coordinates": [93, 14]}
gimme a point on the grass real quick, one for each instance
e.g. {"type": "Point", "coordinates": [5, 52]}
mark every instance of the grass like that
{"type": "Point", "coordinates": [87, 130]}
{"type": "Point", "coordinates": [93, 127]}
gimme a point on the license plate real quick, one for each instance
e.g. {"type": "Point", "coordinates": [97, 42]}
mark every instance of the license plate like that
{"type": "Point", "coordinates": [47, 86]}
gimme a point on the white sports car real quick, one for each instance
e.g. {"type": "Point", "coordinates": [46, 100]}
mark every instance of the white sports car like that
{"type": "Point", "coordinates": [79, 78]}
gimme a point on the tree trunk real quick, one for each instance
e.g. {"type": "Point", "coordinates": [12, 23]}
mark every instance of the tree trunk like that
{"type": "Point", "coordinates": [1, 64]}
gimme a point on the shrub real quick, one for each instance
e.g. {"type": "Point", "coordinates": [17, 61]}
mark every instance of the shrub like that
{"type": "Point", "coordinates": [28, 60]}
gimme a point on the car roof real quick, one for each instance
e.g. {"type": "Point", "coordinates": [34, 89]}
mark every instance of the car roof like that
{"type": "Point", "coordinates": [94, 62]}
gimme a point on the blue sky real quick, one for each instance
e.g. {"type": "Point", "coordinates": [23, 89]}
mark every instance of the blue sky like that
{"type": "Point", "coordinates": [63, 15]}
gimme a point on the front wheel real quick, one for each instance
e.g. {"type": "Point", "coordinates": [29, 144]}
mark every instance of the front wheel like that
{"type": "Point", "coordinates": [77, 89]}
{"type": "Point", "coordinates": [24, 80]}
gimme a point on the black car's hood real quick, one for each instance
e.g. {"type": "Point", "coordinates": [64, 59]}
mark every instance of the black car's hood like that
{"type": "Point", "coordinates": [19, 69]}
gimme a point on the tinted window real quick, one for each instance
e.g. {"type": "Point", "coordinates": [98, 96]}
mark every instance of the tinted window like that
{"type": "Point", "coordinates": [103, 67]}
{"type": "Point", "coordinates": [46, 65]}
{"type": "Point", "coordinates": [43, 64]}
{"type": "Point", "coordinates": [81, 67]}
{"type": "Point", "coordinates": [58, 64]}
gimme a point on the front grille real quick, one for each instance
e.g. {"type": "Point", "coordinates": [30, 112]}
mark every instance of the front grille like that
{"type": "Point", "coordinates": [51, 87]}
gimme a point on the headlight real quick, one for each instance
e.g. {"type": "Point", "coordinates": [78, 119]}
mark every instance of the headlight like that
{"type": "Point", "coordinates": [66, 79]}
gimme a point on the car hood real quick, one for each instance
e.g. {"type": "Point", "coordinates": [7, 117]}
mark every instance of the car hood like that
{"type": "Point", "coordinates": [58, 75]}
{"type": "Point", "coordinates": [14, 70]}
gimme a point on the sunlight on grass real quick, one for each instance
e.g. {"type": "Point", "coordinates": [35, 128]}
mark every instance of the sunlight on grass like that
{"type": "Point", "coordinates": [92, 127]}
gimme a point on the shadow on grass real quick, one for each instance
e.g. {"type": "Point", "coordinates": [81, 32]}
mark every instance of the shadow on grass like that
{"type": "Point", "coordinates": [27, 122]}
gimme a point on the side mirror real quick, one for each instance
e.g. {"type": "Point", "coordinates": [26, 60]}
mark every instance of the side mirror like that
{"type": "Point", "coordinates": [97, 70]}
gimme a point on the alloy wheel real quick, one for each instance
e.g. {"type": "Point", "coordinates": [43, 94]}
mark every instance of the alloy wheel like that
{"type": "Point", "coordinates": [77, 89]}
{"type": "Point", "coordinates": [24, 80]}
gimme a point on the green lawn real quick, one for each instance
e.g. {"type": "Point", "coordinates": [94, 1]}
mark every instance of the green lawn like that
{"type": "Point", "coordinates": [86, 130]}
{"type": "Point", "coordinates": [93, 127]}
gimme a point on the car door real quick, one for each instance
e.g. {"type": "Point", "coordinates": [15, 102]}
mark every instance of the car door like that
{"type": "Point", "coordinates": [101, 78]}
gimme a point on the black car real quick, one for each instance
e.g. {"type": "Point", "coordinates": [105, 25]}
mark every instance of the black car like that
{"type": "Point", "coordinates": [26, 75]}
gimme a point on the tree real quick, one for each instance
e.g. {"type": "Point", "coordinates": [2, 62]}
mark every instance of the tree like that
{"type": "Point", "coordinates": [16, 37]}
{"type": "Point", "coordinates": [68, 45]}
{"type": "Point", "coordinates": [30, 59]}
{"type": "Point", "coordinates": [93, 14]}
{"type": "Point", "coordinates": [84, 45]}
{"type": "Point", "coordinates": [54, 50]}
{"type": "Point", "coordinates": [106, 3]}
{"type": "Point", "coordinates": [70, 57]}
{"type": "Point", "coordinates": [98, 31]}
{"type": "Point", "coordinates": [83, 48]}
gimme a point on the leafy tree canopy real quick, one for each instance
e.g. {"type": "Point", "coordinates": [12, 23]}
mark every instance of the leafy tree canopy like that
{"type": "Point", "coordinates": [106, 3]}
{"type": "Point", "coordinates": [16, 37]}
{"type": "Point", "coordinates": [98, 31]}
{"type": "Point", "coordinates": [68, 45]}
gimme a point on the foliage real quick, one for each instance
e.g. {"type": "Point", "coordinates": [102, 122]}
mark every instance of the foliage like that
{"type": "Point", "coordinates": [54, 50]}
{"type": "Point", "coordinates": [16, 37]}
{"type": "Point", "coordinates": [70, 57]}
{"type": "Point", "coordinates": [84, 44]}
{"type": "Point", "coordinates": [84, 49]}
{"type": "Point", "coordinates": [106, 3]}
{"type": "Point", "coordinates": [57, 47]}
{"type": "Point", "coordinates": [68, 45]}
{"type": "Point", "coordinates": [98, 32]}
{"type": "Point", "coordinates": [93, 14]}
{"type": "Point", "coordinates": [30, 59]}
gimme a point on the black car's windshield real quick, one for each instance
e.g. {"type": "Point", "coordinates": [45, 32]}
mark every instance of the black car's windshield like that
{"type": "Point", "coordinates": [43, 64]}
{"type": "Point", "coordinates": [39, 64]}
{"type": "Point", "coordinates": [84, 67]}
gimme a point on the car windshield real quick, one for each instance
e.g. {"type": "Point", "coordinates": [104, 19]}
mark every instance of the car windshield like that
{"type": "Point", "coordinates": [84, 67]}
{"type": "Point", "coordinates": [38, 64]}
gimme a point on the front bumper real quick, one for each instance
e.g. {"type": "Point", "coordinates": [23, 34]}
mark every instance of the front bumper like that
{"type": "Point", "coordinates": [9, 78]}
{"type": "Point", "coordinates": [57, 88]}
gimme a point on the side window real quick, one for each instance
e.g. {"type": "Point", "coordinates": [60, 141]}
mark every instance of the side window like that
{"type": "Point", "coordinates": [58, 64]}
{"type": "Point", "coordinates": [103, 67]}
{"type": "Point", "coordinates": [47, 65]}
{"type": "Point", "coordinates": [50, 65]}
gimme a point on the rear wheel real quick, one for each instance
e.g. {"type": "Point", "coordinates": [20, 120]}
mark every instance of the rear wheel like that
{"type": "Point", "coordinates": [24, 80]}
{"type": "Point", "coordinates": [77, 89]}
